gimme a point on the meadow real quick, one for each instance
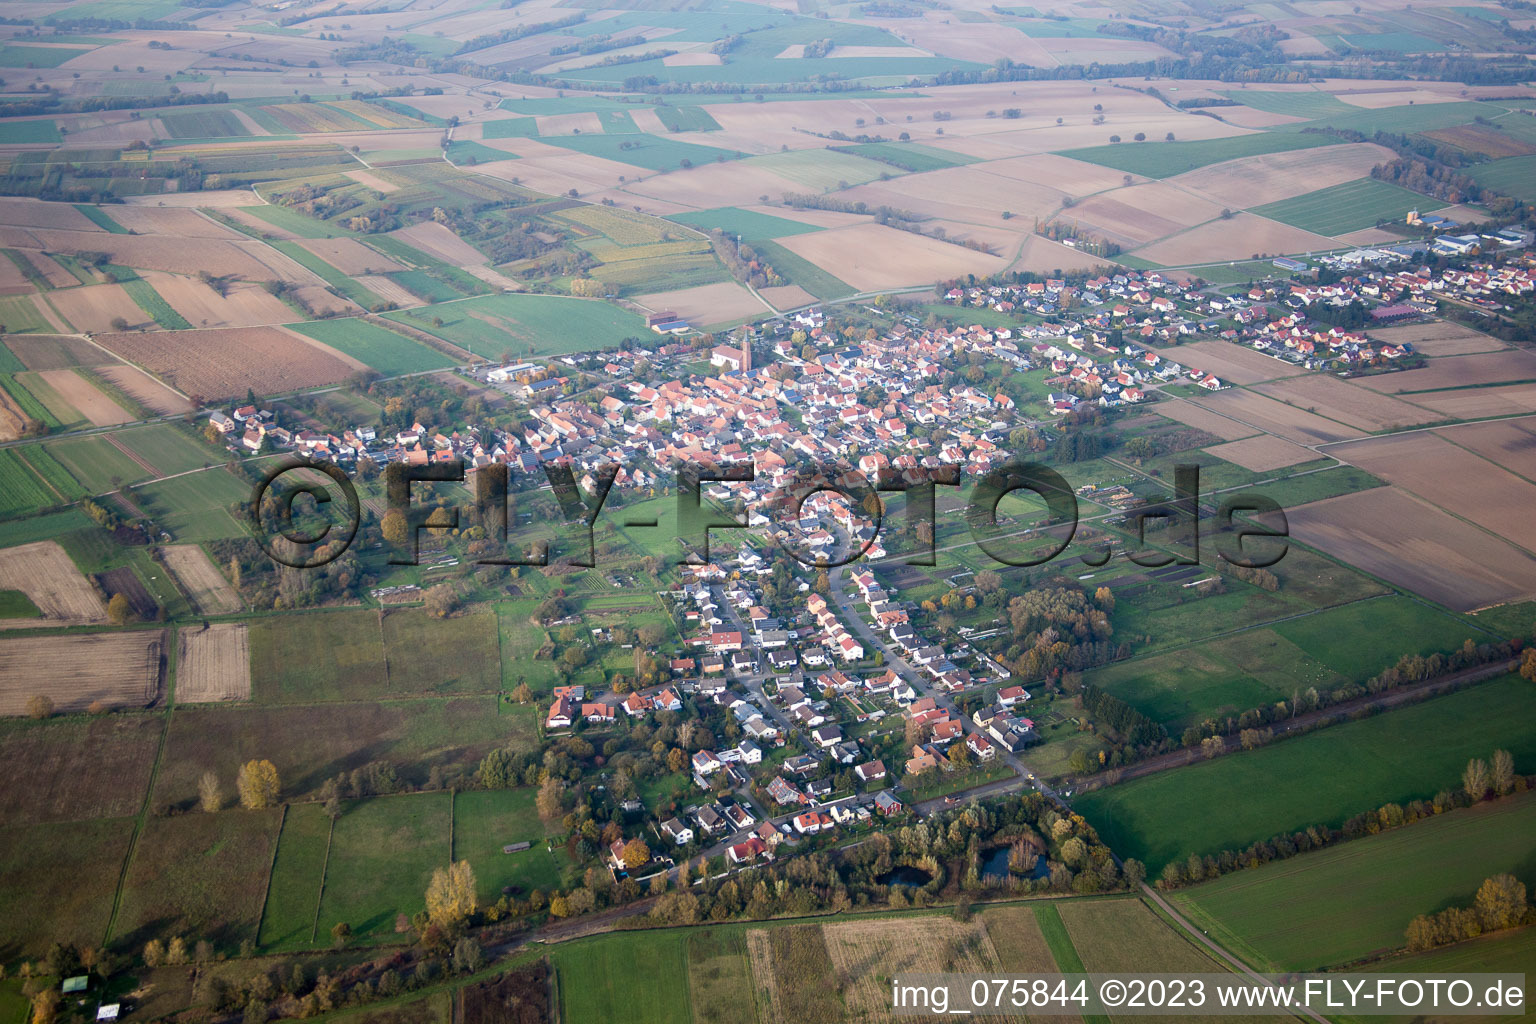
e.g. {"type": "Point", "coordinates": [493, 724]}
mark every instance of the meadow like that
{"type": "Point", "coordinates": [908, 156]}
{"type": "Point", "coordinates": [1351, 206]}
{"type": "Point", "coordinates": [526, 325]}
{"type": "Point", "coordinates": [750, 225]}
{"type": "Point", "coordinates": [298, 871]}
{"type": "Point", "coordinates": [644, 978]}
{"type": "Point", "coordinates": [21, 490]}
{"type": "Point", "coordinates": [1319, 778]}
{"type": "Point", "coordinates": [1166, 159]}
{"type": "Point", "coordinates": [1348, 901]}
{"type": "Point", "coordinates": [14, 133]}
{"type": "Point", "coordinates": [383, 853]}
{"type": "Point", "coordinates": [484, 821]}
{"type": "Point", "coordinates": [168, 448]}
{"type": "Point", "coordinates": [65, 897]}
{"type": "Point", "coordinates": [390, 353]}
{"type": "Point", "coordinates": [644, 151]}
{"type": "Point", "coordinates": [803, 272]}
{"type": "Point", "coordinates": [97, 463]}
{"type": "Point", "coordinates": [1514, 176]}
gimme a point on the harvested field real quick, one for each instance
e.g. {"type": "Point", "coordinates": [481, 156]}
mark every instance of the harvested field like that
{"type": "Point", "coordinates": [1139, 214]}
{"type": "Point", "coordinates": [1271, 417]}
{"type": "Point", "coordinates": [1076, 178]}
{"type": "Point", "coordinates": [352, 257]}
{"type": "Point", "coordinates": [373, 181]}
{"type": "Point", "coordinates": [1240, 237]}
{"type": "Point", "coordinates": [34, 213]}
{"type": "Point", "coordinates": [93, 308]}
{"type": "Point", "coordinates": [1506, 367]}
{"type": "Point", "coordinates": [12, 280]}
{"type": "Point", "coordinates": [1475, 138]}
{"type": "Point", "coordinates": [1508, 443]}
{"type": "Point", "coordinates": [1438, 338]}
{"type": "Point", "coordinates": [1395, 536]}
{"type": "Point", "coordinates": [439, 241]}
{"type": "Point", "coordinates": [790, 296]}
{"type": "Point", "coordinates": [75, 671]}
{"type": "Point", "coordinates": [865, 954]}
{"type": "Point", "coordinates": [1474, 403]}
{"type": "Point", "coordinates": [1256, 180]}
{"type": "Point", "coordinates": [207, 588]}
{"type": "Point", "coordinates": [213, 663]}
{"type": "Point", "coordinates": [83, 395]}
{"type": "Point", "coordinates": [46, 265]}
{"type": "Point", "coordinates": [1191, 415]}
{"type": "Point", "coordinates": [1347, 402]}
{"type": "Point", "coordinates": [707, 304]}
{"type": "Point", "coordinates": [1262, 454]}
{"type": "Point", "coordinates": [12, 420]}
{"type": "Point", "coordinates": [243, 304]}
{"type": "Point", "coordinates": [53, 351]}
{"type": "Point", "coordinates": [44, 573]}
{"type": "Point", "coordinates": [1451, 478]}
{"type": "Point", "coordinates": [964, 194]}
{"type": "Point", "coordinates": [715, 185]}
{"type": "Point", "coordinates": [144, 389]}
{"type": "Point", "coordinates": [1235, 364]}
{"type": "Point", "coordinates": [124, 582]}
{"type": "Point", "coordinates": [221, 363]}
{"type": "Point", "coordinates": [871, 257]}
{"type": "Point", "coordinates": [175, 221]}
{"type": "Point", "coordinates": [389, 290]}
{"type": "Point", "coordinates": [793, 969]}
{"type": "Point", "coordinates": [161, 252]}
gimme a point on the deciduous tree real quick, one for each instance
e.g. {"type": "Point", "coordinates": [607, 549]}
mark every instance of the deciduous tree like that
{"type": "Point", "coordinates": [451, 894]}
{"type": "Point", "coordinates": [258, 785]}
{"type": "Point", "coordinates": [209, 796]}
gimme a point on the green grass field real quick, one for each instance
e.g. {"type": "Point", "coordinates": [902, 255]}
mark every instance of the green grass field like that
{"type": "Point", "coordinates": [1320, 778]}
{"type": "Point", "coordinates": [295, 222]}
{"type": "Point", "coordinates": [749, 224]}
{"type": "Point", "coordinates": [100, 218]}
{"type": "Point", "coordinates": [1351, 206]}
{"type": "Point", "coordinates": [12, 56]}
{"type": "Point", "coordinates": [198, 874]}
{"type": "Point", "coordinates": [21, 490]}
{"type": "Point", "coordinates": [1407, 118]}
{"type": "Point", "coordinates": [462, 152]}
{"type": "Point", "coordinates": [1354, 899]}
{"type": "Point", "coordinates": [487, 820]}
{"type": "Point", "coordinates": [16, 605]}
{"type": "Point", "coordinates": [1514, 176]}
{"type": "Point", "coordinates": [908, 156]}
{"type": "Point", "coordinates": [383, 853]}
{"type": "Point", "coordinates": [43, 129]}
{"type": "Point", "coordinates": [154, 305]}
{"type": "Point", "coordinates": [20, 315]}
{"type": "Point", "coordinates": [193, 495]}
{"type": "Point", "coordinates": [644, 977]}
{"type": "Point", "coordinates": [211, 123]}
{"type": "Point", "coordinates": [1166, 159]}
{"type": "Point", "coordinates": [1512, 951]}
{"type": "Point", "coordinates": [511, 128]}
{"type": "Point", "coordinates": [647, 151]}
{"type": "Point", "coordinates": [325, 656]}
{"type": "Point", "coordinates": [97, 463]}
{"type": "Point", "coordinates": [803, 272]}
{"type": "Point", "coordinates": [384, 350]}
{"type": "Point", "coordinates": [686, 119]}
{"type": "Point", "coordinates": [1292, 104]}
{"type": "Point", "coordinates": [1359, 640]}
{"type": "Point", "coordinates": [822, 170]}
{"type": "Point", "coordinates": [168, 448]}
{"type": "Point", "coordinates": [526, 325]}
{"type": "Point", "coordinates": [294, 892]}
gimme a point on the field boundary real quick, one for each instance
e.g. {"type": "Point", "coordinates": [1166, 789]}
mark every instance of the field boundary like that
{"type": "Point", "coordinates": [325, 866]}
{"type": "Point", "coordinates": [266, 890]}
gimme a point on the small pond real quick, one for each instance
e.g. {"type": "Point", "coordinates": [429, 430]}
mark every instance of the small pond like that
{"type": "Point", "coordinates": [913, 878]}
{"type": "Point", "coordinates": [995, 866]}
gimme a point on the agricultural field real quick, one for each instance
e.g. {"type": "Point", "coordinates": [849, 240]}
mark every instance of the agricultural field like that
{"type": "Point", "coordinates": [525, 325]}
{"type": "Point", "coordinates": [75, 671]}
{"type": "Point", "coordinates": [223, 363]}
{"type": "Point", "coordinates": [383, 852]}
{"type": "Point", "coordinates": [1166, 159]}
{"type": "Point", "coordinates": [485, 821]}
{"type": "Point", "coordinates": [44, 573]}
{"type": "Point", "coordinates": [1340, 209]}
{"type": "Point", "coordinates": [77, 767]}
{"type": "Point", "coordinates": [298, 872]}
{"type": "Point", "coordinates": [1345, 902]}
{"type": "Point", "coordinates": [1320, 778]}
{"type": "Point", "coordinates": [76, 882]}
{"type": "Point", "coordinates": [213, 663]}
{"type": "Point", "coordinates": [749, 225]}
{"type": "Point", "coordinates": [206, 587]}
{"type": "Point", "coordinates": [200, 874]}
{"type": "Point", "coordinates": [647, 152]}
{"type": "Point", "coordinates": [384, 350]}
